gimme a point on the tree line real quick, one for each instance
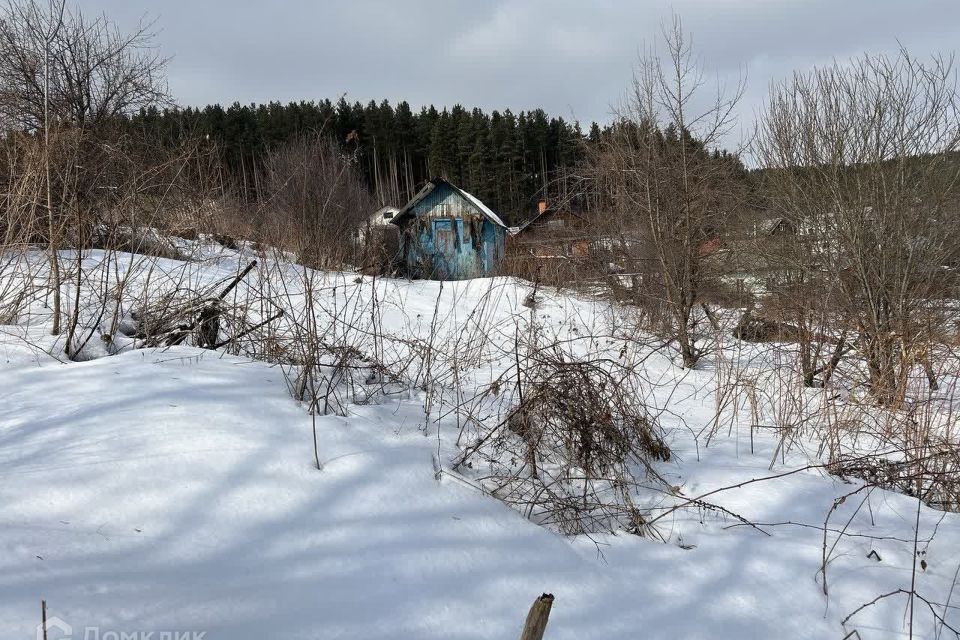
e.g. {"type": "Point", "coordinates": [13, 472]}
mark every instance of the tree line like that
{"type": "Point", "coordinates": [508, 160]}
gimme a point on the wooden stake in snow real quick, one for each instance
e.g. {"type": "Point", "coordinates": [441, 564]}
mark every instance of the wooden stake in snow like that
{"type": "Point", "coordinates": [43, 618]}
{"type": "Point", "coordinates": [537, 618]}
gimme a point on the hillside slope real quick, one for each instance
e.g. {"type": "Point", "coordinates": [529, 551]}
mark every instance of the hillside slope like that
{"type": "Point", "coordinates": [175, 490]}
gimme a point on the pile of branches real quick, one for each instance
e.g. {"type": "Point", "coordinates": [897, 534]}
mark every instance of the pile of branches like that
{"type": "Point", "coordinates": [574, 451]}
{"type": "Point", "coordinates": [200, 318]}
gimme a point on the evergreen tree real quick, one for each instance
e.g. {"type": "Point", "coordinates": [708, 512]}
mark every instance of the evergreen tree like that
{"type": "Point", "coordinates": [502, 158]}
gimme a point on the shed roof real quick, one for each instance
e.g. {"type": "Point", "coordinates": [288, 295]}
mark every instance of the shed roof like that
{"type": "Point", "coordinates": [481, 208]}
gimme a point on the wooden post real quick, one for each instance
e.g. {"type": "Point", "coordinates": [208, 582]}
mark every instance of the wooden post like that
{"type": "Point", "coordinates": [537, 618]}
{"type": "Point", "coordinates": [43, 618]}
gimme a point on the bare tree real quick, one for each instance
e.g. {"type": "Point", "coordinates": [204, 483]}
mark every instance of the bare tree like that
{"type": "Point", "coordinates": [54, 60]}
{"type": "Point", "coordinates": [665, 189]}
{"type": "Point", "coordinates": [59, 69]}
{"type": "Point", "coordinates": [50, 30]}
{"type": "Point", "coordinates": [314, 192]}
{"type": "Point", "coordinates": [862, 158]}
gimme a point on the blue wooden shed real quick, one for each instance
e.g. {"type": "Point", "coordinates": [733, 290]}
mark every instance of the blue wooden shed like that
{"type": "Point", "coordinates": [448, 234]}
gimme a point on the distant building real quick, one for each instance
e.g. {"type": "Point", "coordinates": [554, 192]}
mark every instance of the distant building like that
{"type": "Point", "coordinates": [377, 241]}
{"type": "Point", "coordinates": [383, 215]}
{"type": "Point", "coordinates": [777, 227]}
{"type": "Point", "coordinates": [448, 234]}
{"type": "Point", "coordinates": [553, 233]}
{"type": "Point", "coordinates": [380, 219]}
{"type": "Point", "coordinates": [557, 246]}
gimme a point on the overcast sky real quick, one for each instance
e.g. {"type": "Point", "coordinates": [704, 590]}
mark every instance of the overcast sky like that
{"type": "Point", "coordinates": [571, 57]}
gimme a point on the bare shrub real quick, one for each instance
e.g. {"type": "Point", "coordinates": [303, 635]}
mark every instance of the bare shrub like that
{"type": "Point", "coordinates": [571, 454]}
{"type": "Point", "coordinates": [315, 200]}
{"type": "Point", "coordinates": [22, 224]}
{"type": "Point", "coordinates": [377, 250]}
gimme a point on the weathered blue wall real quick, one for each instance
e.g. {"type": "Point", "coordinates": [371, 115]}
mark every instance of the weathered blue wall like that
{"type": "Point", "coordinates": [440, 242]}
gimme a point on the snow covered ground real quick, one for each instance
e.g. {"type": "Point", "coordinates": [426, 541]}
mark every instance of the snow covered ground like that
{"type": "Point", "coordinates": [175, 490]}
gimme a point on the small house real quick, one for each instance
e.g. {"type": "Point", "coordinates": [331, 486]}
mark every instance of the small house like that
{"type": "Point", "coordinates": [376, 241]}
{"type": "Point", "coordinates": [377, 221]}
{"type": "Point", "coordinates": [778, 227]}
{"type": "Point", "coordinates": [554, 233]}
{"type": "Point", "coordinates": [448, 234]}
{"type": "Point", "coordinates": [383, 215]}
{"type": "Point", "coordinates": [556, 246]}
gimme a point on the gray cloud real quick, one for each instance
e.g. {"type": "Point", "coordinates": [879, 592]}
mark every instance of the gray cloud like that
{"type": "Point", "coordinates": [573, 58]}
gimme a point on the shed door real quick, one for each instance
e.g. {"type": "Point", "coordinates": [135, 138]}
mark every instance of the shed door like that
{"type": "Point", "coordinates": [444, 247]}
{"type": "Point", "coordinates": [490, 249]}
